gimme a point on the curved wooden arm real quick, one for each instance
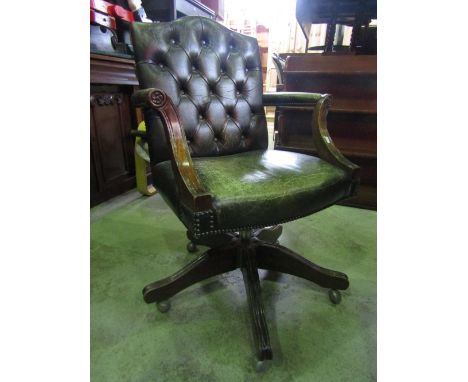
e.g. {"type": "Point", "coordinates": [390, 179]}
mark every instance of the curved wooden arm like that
{"type": "Point", "coordinates": [320, 103]}
{"type": "Point", "coordinates": [323, 142]}
{"type": "Point", "coordinates": [192, 192]}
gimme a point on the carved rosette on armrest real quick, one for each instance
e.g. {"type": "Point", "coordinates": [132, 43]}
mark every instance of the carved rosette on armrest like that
{"type": "Point", "coordinates": [326, 149]}
{"type": "Point", "coordinates": [192, 192]}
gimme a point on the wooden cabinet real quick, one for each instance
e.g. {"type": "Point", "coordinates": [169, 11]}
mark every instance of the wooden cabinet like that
{"type": "Point", "coordinates": [111, 118]}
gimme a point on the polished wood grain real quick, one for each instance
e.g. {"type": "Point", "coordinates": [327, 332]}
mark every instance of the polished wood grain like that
{"type": "Point", "coordinates": [256, 308]}
{"type": "Point", "coordinates": [211, 263]}
{"type": "Point", "coordinates": [281, 259]}
{"type": "Point", "coordinates": [112, 163]}
{"type": "Point", "coordinates": [323, 141]}
{"type": "Point", "coordinates": [113, 80]}
{"type": "Point", "coordinates": [316, 63]}
{"type": "Point", "coordinates": [191, 189]}
{"type": "Point", "coordinates": [112, 70]}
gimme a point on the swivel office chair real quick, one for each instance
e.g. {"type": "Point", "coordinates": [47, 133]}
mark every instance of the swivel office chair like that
{"type": "Point", "coordinates": [201, 91]}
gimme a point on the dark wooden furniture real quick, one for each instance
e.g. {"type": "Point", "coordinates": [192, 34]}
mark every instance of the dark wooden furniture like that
{"type": "Point", "coordinates": [208, 144]}
{"type": "Point", "coordinates": [353, 13]}
{"type": "Point", "coordinates": [352, 119]}
{"type": "Point", "coordinates": [113, 81]}
{"type": "Point", "coordinates": [168, 10]}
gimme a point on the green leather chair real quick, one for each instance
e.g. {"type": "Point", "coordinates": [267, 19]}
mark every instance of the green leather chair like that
{"type": "Point", "coordinates": [201, 91]}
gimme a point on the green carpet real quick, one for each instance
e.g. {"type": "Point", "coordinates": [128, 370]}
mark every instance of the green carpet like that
{"type": "Point", "coordinates": [206, 336]}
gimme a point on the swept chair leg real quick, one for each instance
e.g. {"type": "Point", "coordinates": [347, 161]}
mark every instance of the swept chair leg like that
{"type": "Point", "coordinates": [211, 263]}
{"type": "Point", "coordinates": [281, 259]}
{"type": "Point", "coordinates": [257, 312]}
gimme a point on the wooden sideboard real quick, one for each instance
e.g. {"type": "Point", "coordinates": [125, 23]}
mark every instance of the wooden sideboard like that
{"type": "Point", "coordinates": [113, 80]}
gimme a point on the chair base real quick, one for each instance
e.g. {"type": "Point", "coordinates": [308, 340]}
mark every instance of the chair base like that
{"type": "Point", "coordinates": [248, 251]}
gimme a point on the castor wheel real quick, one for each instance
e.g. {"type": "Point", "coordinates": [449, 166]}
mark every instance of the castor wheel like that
{"type": "Point", "coordinates": [163, 306]}
{"type": "Point", "coordinates": [192, 247]}
{"type": "Point", "coordinates": [335, 296]}
{"type": "Point", "coordinates": [261, 366]}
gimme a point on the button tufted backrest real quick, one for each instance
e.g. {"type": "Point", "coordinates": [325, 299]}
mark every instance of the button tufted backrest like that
{"type": "Point", "coordinates": [213, 76]}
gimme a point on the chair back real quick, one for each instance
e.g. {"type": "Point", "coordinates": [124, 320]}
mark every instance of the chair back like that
{"type": "Point", "coordinates": [214, 78]}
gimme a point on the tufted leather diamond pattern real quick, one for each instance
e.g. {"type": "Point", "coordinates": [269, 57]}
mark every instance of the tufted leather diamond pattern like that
{"type": "Point", "coordinates": [214, 78]}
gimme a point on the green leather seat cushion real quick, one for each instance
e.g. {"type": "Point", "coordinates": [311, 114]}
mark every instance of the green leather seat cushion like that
{"type": "Point", "coordinates": [262, 187]}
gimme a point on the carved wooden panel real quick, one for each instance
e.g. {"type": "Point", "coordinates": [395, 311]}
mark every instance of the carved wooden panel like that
{"type": "Point", "coordinates": [112, 70]}
{"type": "Point", "coordinates": [112, 163]}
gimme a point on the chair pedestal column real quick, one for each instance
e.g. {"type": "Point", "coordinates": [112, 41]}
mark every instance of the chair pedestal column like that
{"type": "Point", "coordinates": [256, 309]}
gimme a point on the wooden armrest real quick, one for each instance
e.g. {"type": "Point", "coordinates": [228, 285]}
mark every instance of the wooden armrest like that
{"type": "Point", "coordinates": [145, 98]}
{"type": "Point", "coordinates": [291, 99]}
{"type": "Point", "coordinates": [192, 192]}
{"type": "Point", "coordinates": [320, 104]}
{"type": "Point", "coordinates": [323, 142]}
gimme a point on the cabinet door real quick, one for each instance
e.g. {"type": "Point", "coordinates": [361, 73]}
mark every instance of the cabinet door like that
{"type": "Point", "coordinates": [112, 160]}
